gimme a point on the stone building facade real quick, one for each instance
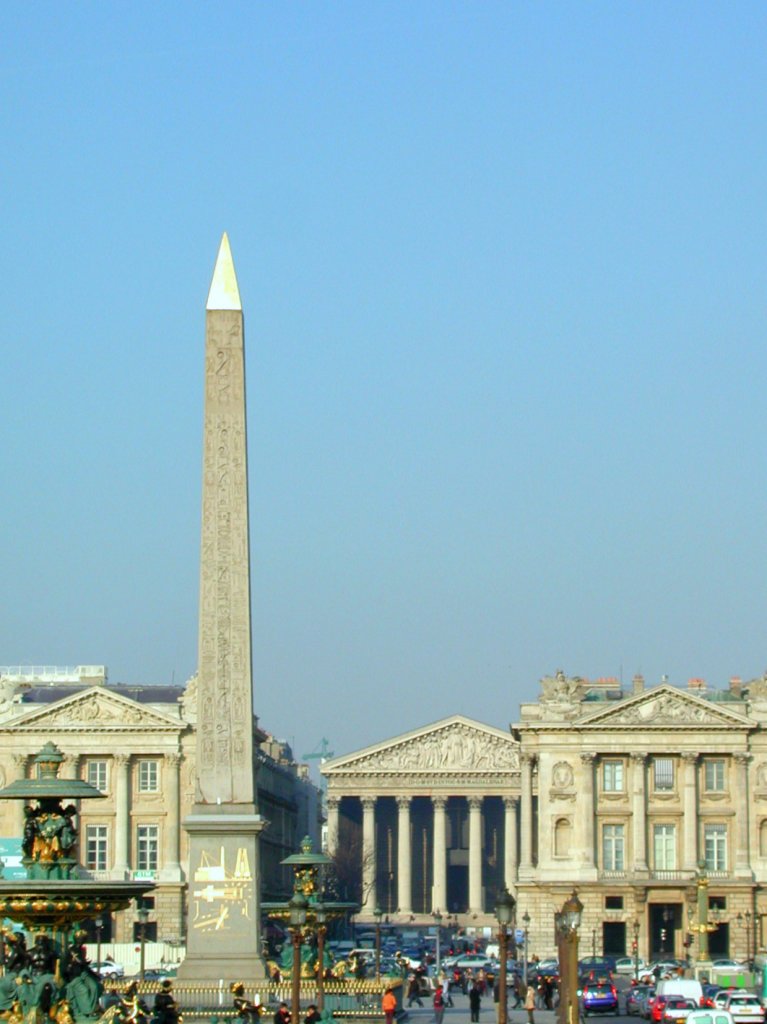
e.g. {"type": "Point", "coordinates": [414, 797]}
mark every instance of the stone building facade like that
{"type": "Point", "coordinates": [639, 799]}
{"type": "Point", "coordinates": [137, 745]}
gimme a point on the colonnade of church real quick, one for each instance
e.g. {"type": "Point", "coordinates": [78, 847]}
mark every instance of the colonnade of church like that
{"type": "Point", "coordinates": [516, 846]}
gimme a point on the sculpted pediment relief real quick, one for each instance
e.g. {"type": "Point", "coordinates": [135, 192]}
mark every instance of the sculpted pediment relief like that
{"type": "Point", "coordinates": [455, 746]}
{"type": "Point", "coordinates": [93, 710]}
{"type": "Point", "coordinates": [665, 706]}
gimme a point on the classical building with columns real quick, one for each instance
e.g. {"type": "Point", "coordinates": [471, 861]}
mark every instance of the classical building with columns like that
{"type": "Point", "coordinates": [137, 745]}
{"type": "Point", "coordinates": [640, 798]}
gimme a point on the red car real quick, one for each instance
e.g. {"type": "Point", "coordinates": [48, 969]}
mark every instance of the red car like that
{"type": "Point", "coordinates": [657, 1007]}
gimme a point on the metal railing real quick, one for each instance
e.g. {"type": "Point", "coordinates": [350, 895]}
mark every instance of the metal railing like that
{"type": "Point", "coordinates": [351, 997]}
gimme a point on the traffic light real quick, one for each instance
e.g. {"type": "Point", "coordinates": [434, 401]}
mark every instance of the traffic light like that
{"type": "Point", "coordinates": [663, 935]}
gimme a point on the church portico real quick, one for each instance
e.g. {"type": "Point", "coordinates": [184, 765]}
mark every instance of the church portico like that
{"type": "Point", "coordinates": [428, 821]}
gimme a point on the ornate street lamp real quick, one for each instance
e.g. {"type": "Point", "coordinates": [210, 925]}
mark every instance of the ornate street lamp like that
{"type": "Point", "coordinates": [526, 922]}
{"type": "Point", "coordinates": [143, 917]}
{"type": "Point", "coordinates": [505, 906]}
{"type": "Point", "coordinates": [297, 907]}
{"type": "Point", "coordinates": [320, 916]}
{"type": "Point", "coordinates": [378, 914]}
{"type": "Point", "coordinates": [568, 921]}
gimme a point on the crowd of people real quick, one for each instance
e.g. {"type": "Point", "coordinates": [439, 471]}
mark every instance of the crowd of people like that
{"type": "Point", "coordinates": [540, 993]}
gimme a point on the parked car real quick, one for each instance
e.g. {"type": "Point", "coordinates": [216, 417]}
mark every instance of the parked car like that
{"type": "Point", "coordinates": [473, 960]}
{"type": "Point", "coordinates": [725, 964]}
{"type": "Point", "coordinates": [677, 1009]}
{"type": "Point", "coordinates": [552, 964]}
{"type": "Point", "coordinates": [108, 969]}
{"type": "Point", "coordinates": [599, 997]}
{"type": "Point", "coordinates": [158, 974]}
{"type": "Point", "coordinates": [744, 1007]}
{"type": "Point", "coordinates": [629, 965]}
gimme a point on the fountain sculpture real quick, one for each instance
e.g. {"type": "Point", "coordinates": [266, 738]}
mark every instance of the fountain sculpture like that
{"type": "Point", "coordinates": [50, 978]}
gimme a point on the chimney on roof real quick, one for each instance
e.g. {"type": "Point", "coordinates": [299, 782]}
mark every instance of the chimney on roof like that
{"type": "Point", "coordinates": [638, 682]}
{"type": "Point", "coordinates": [736, 686]}
{"type": "Point", "coordinates": [696, 685]}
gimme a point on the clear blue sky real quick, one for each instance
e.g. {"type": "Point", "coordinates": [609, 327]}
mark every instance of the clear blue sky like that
{"type": "Point", "coordinates": [504, 276]}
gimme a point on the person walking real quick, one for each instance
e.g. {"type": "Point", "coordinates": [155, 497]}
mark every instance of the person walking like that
{"type": "Point", "coordinates": [516, 992]}
{"type": "Point", "coordinates": [444, 981]}
{"type": "Point", "coordinates": [475, 1001]}
{"type": "Point", "coordinates": [389, 1005]}
{"type": "Point", "coordinates": [414, 990]}
{"type": "Point", "coordinates": [439, 1005]}
{"type": "Point", "coordinates": [530, 1004]}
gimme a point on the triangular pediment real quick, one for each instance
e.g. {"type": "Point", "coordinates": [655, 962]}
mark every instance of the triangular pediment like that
{"type": "Point", "coordinates": [94, 710]}
{"type": "Point", "coordinates": [455, 745]}
{"type": "Point", "coordinates": [665, 707]}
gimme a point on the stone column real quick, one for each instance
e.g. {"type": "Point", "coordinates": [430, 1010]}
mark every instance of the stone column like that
{"type": "Point", "coordinates": [586, 808]}
{"type": "Point", "coordinates": [368, 854]}
{"type": "Point", "coordinates": [638, 762]}
{"type": "Point", "coordinates": [690, 811]}
{"type": "Point", "coordinates": [404, 855]}
{"type": "Point", "coordinates": [526, 822]}
{"type": "Point", "coordinates": [742, 789]}
{"type": "Point", "coordinates": [20, 767]}
{"type": "Point", "coordinates": [510, 842]}
{"type": "Point", "coordinates": [171, 869]}
{"type": "Point", "coordinates": [439, 854]}
{"type": "Point", "coordinates": [475, 855]}
{"type": "Point", "coordinates": [334, 806]}
{"type": "Point", "coordinates": [121, 765]}
{"type": "Point", "coordinates": [70, 769]}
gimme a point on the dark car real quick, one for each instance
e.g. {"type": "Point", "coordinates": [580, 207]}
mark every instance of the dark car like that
{"type": "Point", "coordinates": [599, 997]}
{"type": "Point", "coordinates": [634, 1000]}
{"type": "Point", "coordinates": [605, 964]}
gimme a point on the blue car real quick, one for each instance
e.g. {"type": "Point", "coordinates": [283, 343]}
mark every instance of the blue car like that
{"type": "Point", "coordinates": [599, 997]}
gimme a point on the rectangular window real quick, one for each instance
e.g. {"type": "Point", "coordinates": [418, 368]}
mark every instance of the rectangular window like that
{"type": "Point", "coordinates": [96, 775]}
{"type": "Point", "coordinates": [714, 776]}
{"type": "Point", "coordinates": [663, 773]}
{"type": "Point", "coordinates": [715, 845]}
{"type": "Point", "coordinates": [664, 847]}
{"type": "Point", "coordinates": [96, 847]}
{"type": "Point", "coordinates": [148, 776]}
{"type": "Point", "coordinates": [612, 847]}
{"type": "Point", "coordinates": [147, 844]}
{"type": "Point", "coordinates": [613, 903]}
{"type": "Point", "coordinates": [612, 776]}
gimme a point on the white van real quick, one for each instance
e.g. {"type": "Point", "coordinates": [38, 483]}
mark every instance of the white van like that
{"type": "Point", "coordinates": [686, 988]}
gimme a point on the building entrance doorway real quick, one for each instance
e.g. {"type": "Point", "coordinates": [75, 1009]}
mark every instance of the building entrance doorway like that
{"type": "Point", "coordinates": [614, 938]}
{"type": "Point", "coordinates": [665, 925]}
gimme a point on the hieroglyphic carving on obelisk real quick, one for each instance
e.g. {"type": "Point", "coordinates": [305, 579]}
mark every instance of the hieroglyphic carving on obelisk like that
{"type": "Point", "coordinates": [225, 702]}
{"type": "Point", "coordinates": [223, 907]}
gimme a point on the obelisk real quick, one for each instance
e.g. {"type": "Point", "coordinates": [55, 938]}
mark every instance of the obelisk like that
{"type": "Point", "coordinates": [223, 929]}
